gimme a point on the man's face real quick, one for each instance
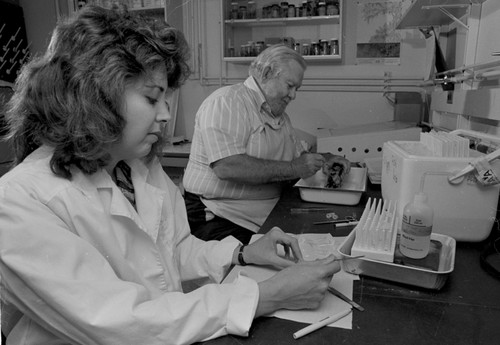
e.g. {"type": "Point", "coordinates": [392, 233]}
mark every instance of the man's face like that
{"type": "Point", "coordinates": [281, 88]}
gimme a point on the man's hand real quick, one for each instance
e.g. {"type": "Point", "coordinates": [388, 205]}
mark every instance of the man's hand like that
{"type": "Point", "coordinates": [307, 164]}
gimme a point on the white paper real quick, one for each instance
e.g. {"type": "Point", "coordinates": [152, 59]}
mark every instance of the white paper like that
{"type": "Point", "coordinates": [313, 246]}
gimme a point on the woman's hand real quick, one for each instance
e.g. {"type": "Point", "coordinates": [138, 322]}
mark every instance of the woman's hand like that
{"type": "Point", "coordinates": [264, 251]}
{"type": "Point", "coordinates": [300, 286]}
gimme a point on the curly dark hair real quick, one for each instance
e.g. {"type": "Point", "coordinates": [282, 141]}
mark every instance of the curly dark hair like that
{"type": "Point", "coordinates": [70, 98]}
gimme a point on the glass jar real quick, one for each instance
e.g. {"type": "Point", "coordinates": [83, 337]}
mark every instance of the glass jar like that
{"type": "Point", "coordinates": [234, 10]}
{"type": "Point", "coordinates": [242, 12]}
{"type": "Point", "coordinates": [323, 47]}
{"type": "Point", "coordinates": [259, 47]}
{"type": "Point", "coordinates": [252, 9]}
{"type": "Point", "coordinates": [334, 46]}
{"type": "Point", "coordinates": [251, 48]}
{"type": "Point", "coordinates": [265, 12]}
{"type": "Point", "coordinates": [304, 11]}
{"type": "Point", "coordinates": [291, 10]}
{"type": "Point", "coordinates": [305, 49]}
{"type": "Point", "coordinates": [321, 10]}
{"type": "Point", "coordinates": [275, 11]}
{"type": "Point", "coordinates": [332, 9]}
{"type": "Point", "coordinates": [297, 47]}
{"type": "Point", "coordinates": [315, 49]}
{"type": "Point", "coordinates": [311, 8]}
{"type": "Point", "coordinates": [244, 50]}
{"type": "Point", "coordinates": [284, 9]}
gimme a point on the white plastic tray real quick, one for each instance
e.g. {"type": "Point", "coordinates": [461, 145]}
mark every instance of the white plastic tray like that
{"type": "Point", "coordinates": [312, 189]}
{"type": "Point", "coordinates": [412, 275]}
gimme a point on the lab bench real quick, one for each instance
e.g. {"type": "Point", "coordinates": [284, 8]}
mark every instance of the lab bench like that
{"type": "Point", "coordinates": [465, 311]}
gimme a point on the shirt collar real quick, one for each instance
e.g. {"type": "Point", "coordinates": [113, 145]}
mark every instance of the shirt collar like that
{"type": "Point", "coordinates": [265, 108]}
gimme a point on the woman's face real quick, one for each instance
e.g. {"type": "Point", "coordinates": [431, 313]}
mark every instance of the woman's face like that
{"type": "Point", "coordinates": [146, 112]}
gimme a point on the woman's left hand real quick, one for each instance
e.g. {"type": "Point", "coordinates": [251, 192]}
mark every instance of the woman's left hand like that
{"type": "Point", "coordinates": [264, 251]}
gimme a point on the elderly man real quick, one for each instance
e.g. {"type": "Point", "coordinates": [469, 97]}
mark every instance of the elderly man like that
{"type": "Point", "coordinates": [244, 149]}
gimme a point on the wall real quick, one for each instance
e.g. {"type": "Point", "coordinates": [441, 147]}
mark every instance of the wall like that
{"type": "Point", "coordinates": [40, 19]}
{"type": "Point", "coordinates": [333, 95]}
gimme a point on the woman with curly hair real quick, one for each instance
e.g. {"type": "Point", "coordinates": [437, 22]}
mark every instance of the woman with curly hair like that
{"type": "Point", "coordinates": [94, 238]}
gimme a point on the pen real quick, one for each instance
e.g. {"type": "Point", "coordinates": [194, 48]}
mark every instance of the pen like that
{"type": "Point", "coordinates": [310, 209]}
{"type": "Point", "coordinates": [321, 323]}
{"type": "Point", "coordinates": [338, 223]}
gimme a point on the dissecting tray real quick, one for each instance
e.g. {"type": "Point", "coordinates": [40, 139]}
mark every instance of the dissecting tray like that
{"type": "Point", "coordinates": [430, 272]}
{"type": "Point", "coordinates": [312, 189]}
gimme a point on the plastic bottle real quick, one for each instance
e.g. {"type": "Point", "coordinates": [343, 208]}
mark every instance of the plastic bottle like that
{"type": "Point", "coordinates": [416, 228]}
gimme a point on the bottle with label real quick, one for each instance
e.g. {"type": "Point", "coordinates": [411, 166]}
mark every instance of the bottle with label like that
{"type": "Point", "coordinates": [334, 46]}
{"type": "Point", "coordinates": [416, 228]}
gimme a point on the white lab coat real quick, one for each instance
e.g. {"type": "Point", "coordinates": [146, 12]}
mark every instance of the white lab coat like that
{"type": "Point", "coordinates": [84, 267]}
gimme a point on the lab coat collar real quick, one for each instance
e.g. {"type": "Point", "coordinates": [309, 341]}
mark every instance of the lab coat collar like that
{"type": "Point", "coordinates": [148, 214]}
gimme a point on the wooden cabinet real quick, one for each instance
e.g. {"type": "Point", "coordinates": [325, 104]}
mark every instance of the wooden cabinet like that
{"type": "Point", "coordinates": [246, 32]}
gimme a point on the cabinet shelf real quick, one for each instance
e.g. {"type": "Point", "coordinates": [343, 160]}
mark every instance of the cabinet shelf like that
{"type": "Point", "coordinates": [239, 36]}
{"type": "Point", "coordinates": [317, 58]}
{"type": "Point", "coordinates": [317, 20]}
{"type": "Point", "coordinates": [152, 8]}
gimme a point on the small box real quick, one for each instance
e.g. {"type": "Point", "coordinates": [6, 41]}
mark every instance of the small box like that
{"type": "Point", "coordinates": [359, 142]}
{"type": "Point", "coordinates": [464, 211]}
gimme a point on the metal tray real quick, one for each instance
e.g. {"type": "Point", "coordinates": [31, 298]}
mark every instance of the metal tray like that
{"type": "Point", "coordinates": [312, 189]}
{"type": "Point", "coordinates": [406, 274]}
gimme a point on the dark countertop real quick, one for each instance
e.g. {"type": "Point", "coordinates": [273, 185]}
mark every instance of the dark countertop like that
{"type": "Point", "coordinates": [465, 311]}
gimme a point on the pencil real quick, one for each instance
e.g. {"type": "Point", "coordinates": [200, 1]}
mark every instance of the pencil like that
{"type": "Point", "coordinates": [321, 323]}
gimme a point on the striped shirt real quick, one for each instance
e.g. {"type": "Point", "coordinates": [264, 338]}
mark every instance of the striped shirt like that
{"type": "Point", "coordinates": [237, 120]}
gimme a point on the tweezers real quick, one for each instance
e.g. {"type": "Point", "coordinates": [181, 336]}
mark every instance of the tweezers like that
{"type": "Point", "coordinates": [345, 298]}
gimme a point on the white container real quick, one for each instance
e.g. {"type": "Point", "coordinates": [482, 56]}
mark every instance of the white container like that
{"type": "Point", "coordinates": [416, 228]}
{"type": "Point", "coordinates": [354, 184]}
{"type": "Point", "coordinates": [364, 141]}
{"type": "Point", "coordinates": [465, 211]}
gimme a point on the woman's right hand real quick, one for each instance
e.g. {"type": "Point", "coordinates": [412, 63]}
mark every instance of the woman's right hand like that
{"type": "Point", "coordinates": [300, 286]}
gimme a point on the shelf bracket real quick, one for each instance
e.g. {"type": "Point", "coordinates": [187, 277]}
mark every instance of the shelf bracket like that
{"type": "Point", "coordinates": [443, 9]}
